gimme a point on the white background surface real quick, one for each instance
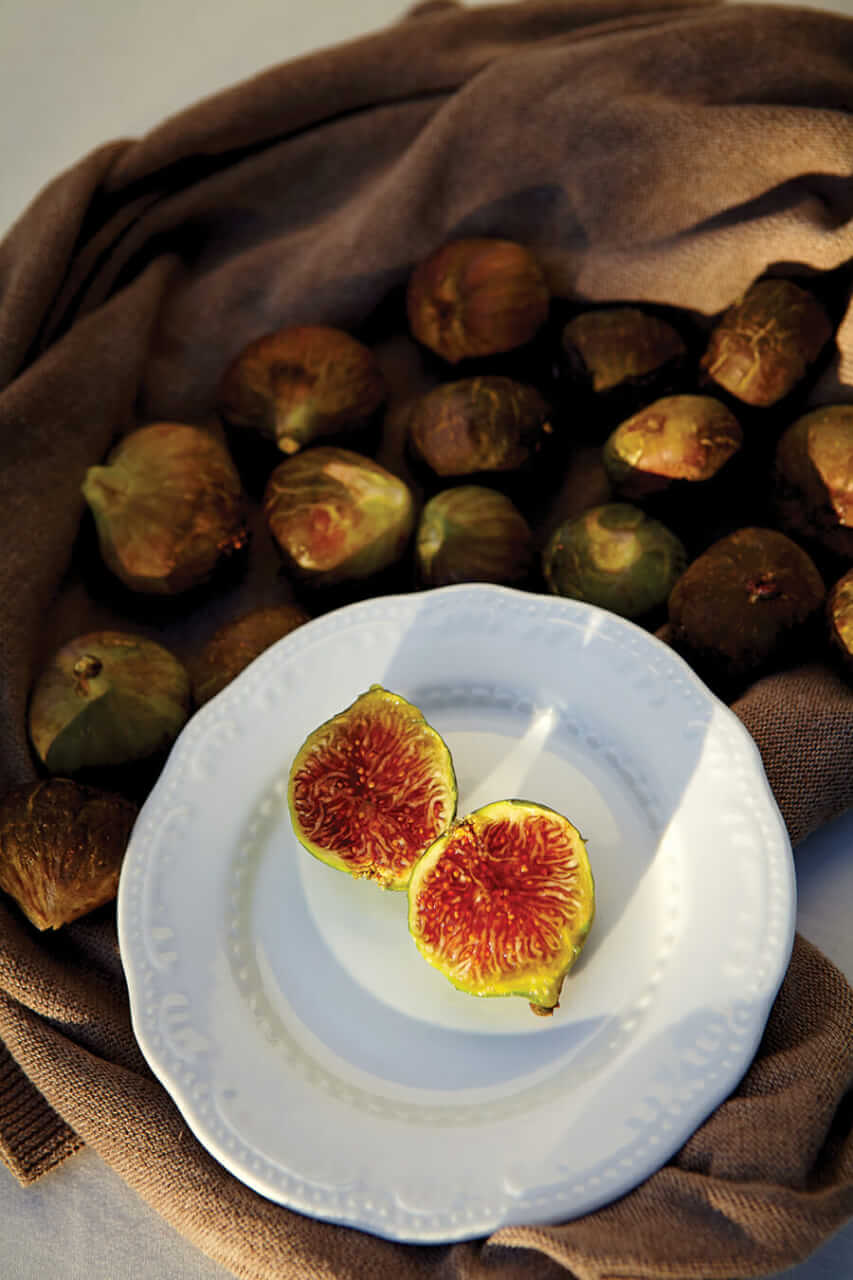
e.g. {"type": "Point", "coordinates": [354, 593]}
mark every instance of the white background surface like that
{"type": "Point", "coordinates": [73, 76]}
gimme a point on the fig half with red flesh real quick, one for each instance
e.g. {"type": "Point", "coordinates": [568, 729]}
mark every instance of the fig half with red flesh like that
{"type": "Point", "coordinates": [371, 788]}
{"type": "Point", "coordinates": [502, 902]}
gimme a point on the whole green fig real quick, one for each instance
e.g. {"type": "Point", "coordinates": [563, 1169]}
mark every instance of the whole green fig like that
{"type": "Point", "coordinates": [105, 700]}
{"type": "Point", "coordinates": [472, 534]}
{"type": "Point", "coordinates": [614, 556]}
{"type": "Point", "coordinates": [676, 438]}
{"type": "Point", "coordinates": [168, 506]}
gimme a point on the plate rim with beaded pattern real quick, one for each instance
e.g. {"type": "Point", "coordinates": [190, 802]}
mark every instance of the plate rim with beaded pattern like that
{"type": "Point", "coordinates": [285, 1009]}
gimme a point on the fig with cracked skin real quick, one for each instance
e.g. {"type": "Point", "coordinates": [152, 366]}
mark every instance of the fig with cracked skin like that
{"type": "Point", "coordinates": [503, 901]}
{"type": "Point", "coordinates": [479, 425]}
{"type": "Point", "coordinates": [107, 699]}
{"type": "Point", "coordinates": [371, 787]}
{"type": "Point", "coordinates": [765, 343]}
{"type": "Point", "coordinates": [169, 508]}
{"type": "Point", "coordinates": [475, 297]}
{"type": "Point", "coordinates": [744, 603]}
{"type": "Point", "coordinates": [813, 478]}
{"type": "Point", "coordinates": [336, 515]}
{"type": "Point", "coordinates": [61, 848]}
{"type": "Point", "coordinates": [677, 438]}
{"type": "Point", "coordinates": [301, 384]}
{"type": "Point", "coordinates": [472, 534]}
{"type": "Point", "coordinates": [614, 556]}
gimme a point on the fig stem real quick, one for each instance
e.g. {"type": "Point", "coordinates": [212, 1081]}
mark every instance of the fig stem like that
{"type": "Point", "coordinates": [86, 668]}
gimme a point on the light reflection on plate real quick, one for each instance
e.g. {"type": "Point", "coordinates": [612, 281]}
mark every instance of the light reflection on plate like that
{"type": "Point", "coordinates": [285, 1008]}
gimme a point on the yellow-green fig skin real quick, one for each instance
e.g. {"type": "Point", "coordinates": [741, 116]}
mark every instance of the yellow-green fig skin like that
{"type": "Point", "coordinates": [302, 383]}
{"type": "Point", "coordinates": [472, 534]}
{"type": "Point", "coordinates": [106, 699]}
{"type": "Point", "coordinates": [168, 507]}
{"type": "Point", "coordinates": [502, 903]}
{"type": "Point", "coordinates": [614, 556]}
{"type": "Point", "coordinates": [477, 296]}
{"type": "Point", "coordinates": [371, 787]}
{"type": "Point", "coordinates": [764, 344]}
{"type": "Point", "coordinates": [813, 478]}
{"type": "Point", "coordinates": [337, 515]}
{"type": "Point", "coordinates": [685, 437]}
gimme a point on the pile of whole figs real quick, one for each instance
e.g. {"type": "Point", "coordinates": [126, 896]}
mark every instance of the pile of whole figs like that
{"type": "Point", "coordinates": [660, 464]}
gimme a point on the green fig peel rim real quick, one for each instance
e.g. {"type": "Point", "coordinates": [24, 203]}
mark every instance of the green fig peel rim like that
{"type": "Point", "coordinates": [371, 788]}
{"type": "Point", "coordinates": [476, 899]}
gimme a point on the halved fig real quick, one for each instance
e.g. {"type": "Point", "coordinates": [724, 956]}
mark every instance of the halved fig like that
{"type": "Point", "coordinates": [371, 788]}
{"type": "Point", "coordinates": [502, 902]}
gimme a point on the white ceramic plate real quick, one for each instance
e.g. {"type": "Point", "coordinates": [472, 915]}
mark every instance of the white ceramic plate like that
{"type": "Point", "coordinates": [287, 1011]}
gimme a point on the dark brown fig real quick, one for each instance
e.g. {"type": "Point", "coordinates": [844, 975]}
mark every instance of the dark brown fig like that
{"type": "Point", "coordinates": [813, 478]}
{"type": "Point", "coordinates": [839, 614]}
{"type": "Point", "coordinates": [105, 700]}
{"type": "Point", "coordinates": [370, 788]}
{"type": "Point", "coordinates": [742, 606]}
{"type": "Point", "coordinates": [765, 343]}
{"type": "Point", "coordinates": [614, 556]}
{"type": "Point", "coordinates": [169, 508]}
{"type": "Point", "coordinates": [61, 848]}
{"type": "Point", "coordinates": [230, 649]}
{"type": "Point", "coordinates": [472, 534]}
{"type": "Point", "coordinates": [685, 437]}
{"type": "Point", "coordinates": [477, 297]}
{"type": "Point", "coordinates": [502, 902]}
{"type": "Point", "coordinates": [479, 425]}
{"type": "Point", "coordinates": [337, 515]}
{"type": "Point", "coordinates": [301, 384]}
{"type": "Point", "coordinates": [621, 348]}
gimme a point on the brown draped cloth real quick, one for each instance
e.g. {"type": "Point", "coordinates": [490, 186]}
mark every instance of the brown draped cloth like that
{"type": "Point", "coordinates": [666, 150]}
